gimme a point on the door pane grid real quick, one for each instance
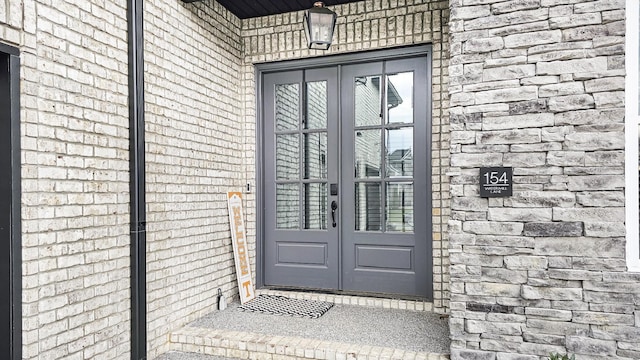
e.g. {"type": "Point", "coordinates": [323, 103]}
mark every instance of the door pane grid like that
{"type": "Point", "coordinates": [384, 153]}
{"type": "Point", "coordinates": [301, 156]}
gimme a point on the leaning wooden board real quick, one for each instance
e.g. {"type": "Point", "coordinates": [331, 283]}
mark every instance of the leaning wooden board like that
{"type": "Point", "coordinates": [240, 248]}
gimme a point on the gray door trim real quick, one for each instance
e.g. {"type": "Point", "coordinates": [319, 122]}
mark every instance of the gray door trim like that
{"type": "Point", "coordinates": [11, 195]}
{"type": "Point", "coordinates": [343, 59]}
{"type": "Point", "coordinates": [300, 64]}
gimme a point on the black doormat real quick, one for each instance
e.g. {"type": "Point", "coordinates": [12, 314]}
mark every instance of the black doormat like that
{"type": "Point", "coordinates": [281, 305]}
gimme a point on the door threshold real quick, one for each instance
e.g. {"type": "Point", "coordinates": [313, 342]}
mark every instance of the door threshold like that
{"type": "Point", "coordinates": [383, 301]}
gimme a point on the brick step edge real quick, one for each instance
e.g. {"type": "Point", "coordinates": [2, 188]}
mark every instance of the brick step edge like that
{"type": "Point", "coordinates": [246, 345]}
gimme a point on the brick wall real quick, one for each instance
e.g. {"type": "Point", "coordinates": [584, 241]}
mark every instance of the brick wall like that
{"type": "Point", "coordinates": [365, 25]}
{"type": "Point", "coordinates": [194, 156]}
{"type": "Point", "coordinates": [539, 86]}
{"type": "Point", "coordinates": [75, 171]}
{"type": "Point", "coordinates": [11, 22]}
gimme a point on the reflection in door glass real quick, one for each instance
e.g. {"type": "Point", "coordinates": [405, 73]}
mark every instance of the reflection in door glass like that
{"type": "Point", "coordinates": [287, 206]}
{"type": "Point", "coordinates": [315, 206]}
{"type": "Point", "coordinates": [399, 152]}
{"type": "Point", "coordinates": [368, 98]}
{"type": "Point", "coordinates": [287, 107]}
{"type": "Point", "coordinates": [399, 207]}
{"type": "Point", "coordinates": [316, 105]}
{"type": "Point", "coordinates": [287, 156]}
{"type": "Point", "coordinates": [368, 154]}
{"type": "Point", "coordinates": [400, 98]}
{"type": "Point", "coordinates": [368, 206]}
{"type": "Point", "coordinates": [315, 155]}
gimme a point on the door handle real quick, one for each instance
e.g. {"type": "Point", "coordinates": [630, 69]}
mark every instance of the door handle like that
{"type": "Point", "coordinates": [334, 207]}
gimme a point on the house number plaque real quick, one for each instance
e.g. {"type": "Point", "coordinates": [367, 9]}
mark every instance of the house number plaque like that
{"type": "Point", "coordinates": [496, 182]}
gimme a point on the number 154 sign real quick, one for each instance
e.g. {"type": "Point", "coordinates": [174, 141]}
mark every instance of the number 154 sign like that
{"type": "Point", "coordinates": [496, 181]}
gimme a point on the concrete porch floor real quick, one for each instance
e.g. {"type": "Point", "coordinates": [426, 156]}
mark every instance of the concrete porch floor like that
{"type": "Point", "coordinates": [356, 327]}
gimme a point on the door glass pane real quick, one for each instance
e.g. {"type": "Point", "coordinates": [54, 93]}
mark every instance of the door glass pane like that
{"type": "Point", "coordinates": [287, 206]}
{"type": "Point", "coordinates": [287, 106]}
{"type": "Point", "coordinates": [316, 105]}
{"type": "Point", "coordinates": [400, 98]}
{"type": "Point", "coordinates": [368, 161]}
{"type": "Point", "coordinates": [287, 157]}
{"type": "Point", "coordinates": [399, 207]}
{"type": "Point", "coordinates": [399, 152]}
{"type": "Point", "coordinates": [315, 155]}
{"type": "Point", "coordinates": [368, 98]}
{"type": "Point", "coordinates": [315, 206]}
{"type": "Point", "coordinates": [368, 206]}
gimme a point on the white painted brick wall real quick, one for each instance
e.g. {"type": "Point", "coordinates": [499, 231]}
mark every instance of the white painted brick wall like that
{"type": "Point", "coordinates": [76, 171]}
{"type": "Point", "coordinates": [75, 177]}
{"type": "Point", "coordinates": [194, 156]}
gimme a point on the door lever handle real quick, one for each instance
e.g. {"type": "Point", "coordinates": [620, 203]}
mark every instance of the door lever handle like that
{"type": "Point", "coordinates": [334, 207]}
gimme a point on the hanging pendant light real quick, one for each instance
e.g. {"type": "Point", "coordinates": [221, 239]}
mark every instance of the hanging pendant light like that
{"type": "Point", "coordinates": [319, 23]}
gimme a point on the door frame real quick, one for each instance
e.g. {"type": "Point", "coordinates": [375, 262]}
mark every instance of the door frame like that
{"type": "Point", "coordinates": [11, 197]}
{"type": "Point", "coordinates": [310, 63]}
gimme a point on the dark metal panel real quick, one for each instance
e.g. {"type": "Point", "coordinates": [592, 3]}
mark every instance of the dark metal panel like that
{"type": "Point", "coordinates": [10, 50]}
{"type": "Point", "coordinates": [16, 213]}
{"type": "Point", "coordinates": [10, 190]}
{"type": "Point", "coordinates": [245, 9]}
{"type": "Point", "coordinates": [5, 207]}
{"type": "Point", "coordinates": [137, 181]}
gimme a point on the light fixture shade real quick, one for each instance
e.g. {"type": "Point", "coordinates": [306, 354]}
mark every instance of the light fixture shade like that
{"type": "Point", "coordinates": [319, 23]}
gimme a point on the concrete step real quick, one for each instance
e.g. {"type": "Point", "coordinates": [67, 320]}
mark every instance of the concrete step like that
{"type": "Point", "coordinates": [355, 328]}
{"type": "Point", "coordinates": [180, 355]}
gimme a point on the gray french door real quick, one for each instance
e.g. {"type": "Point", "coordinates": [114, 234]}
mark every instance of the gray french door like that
{"type": "Point", "coordinates": [301, 243]}
{"type": "Point", "coordinates": [346, 188]}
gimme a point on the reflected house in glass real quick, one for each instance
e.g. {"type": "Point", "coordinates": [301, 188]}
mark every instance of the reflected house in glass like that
{"type": "Point", "coordinates": [385, 182]}
{"type": "Point", "coordinates": [301, 151]}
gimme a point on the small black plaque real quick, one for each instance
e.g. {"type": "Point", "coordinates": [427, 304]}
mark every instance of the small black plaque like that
{"type": "Point", "coordinates": [496, 181]}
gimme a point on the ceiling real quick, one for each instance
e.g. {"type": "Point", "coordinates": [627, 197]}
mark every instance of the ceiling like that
{"type": "Point", "coordinates": [245, 9]}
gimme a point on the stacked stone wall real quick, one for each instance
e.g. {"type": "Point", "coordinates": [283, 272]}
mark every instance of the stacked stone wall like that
{"type": "Point", "coordinates": [538, 85]}
{"type": "Point", "coordinates": [364, 25]}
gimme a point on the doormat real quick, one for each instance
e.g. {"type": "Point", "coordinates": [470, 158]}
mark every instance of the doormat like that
{"type": "Point", "coordinates": [281, 305]}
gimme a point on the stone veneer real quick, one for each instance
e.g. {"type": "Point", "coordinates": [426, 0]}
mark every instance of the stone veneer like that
{"type": "Point", "coordinates": [538, 85]}
{"type": "Point", "coordinates": [362, 26]}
